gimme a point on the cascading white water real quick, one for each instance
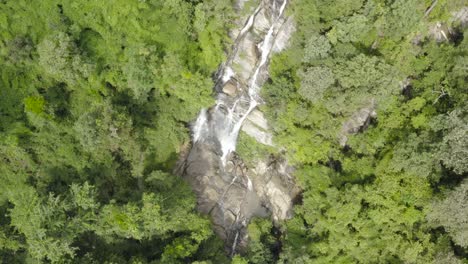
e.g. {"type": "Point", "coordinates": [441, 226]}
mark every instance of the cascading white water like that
{"type": "Point", "coordinates": [226, 128]}
{"type": "Point", "coordinates": [228, 73]}
{"type": "Point", "coordinates": [249, 22]}
{"type": "Point", "coordinates": [199, 125]}
{"type": "Point", "coordinates": [222, 181]}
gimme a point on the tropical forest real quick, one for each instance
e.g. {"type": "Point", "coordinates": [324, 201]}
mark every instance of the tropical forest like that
{"type": "Point", "coordinates": [234, 131]}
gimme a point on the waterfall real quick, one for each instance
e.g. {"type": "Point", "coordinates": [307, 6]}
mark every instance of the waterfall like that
{"type": "Point", "coordinates": [227, 131]}
{"type": "Point", "coordinates": [222, 181]}
{"type": "Point", "coordinates": [198, 128]}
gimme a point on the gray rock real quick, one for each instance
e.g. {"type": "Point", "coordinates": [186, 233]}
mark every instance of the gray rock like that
{"type": "Point", "coordinates": [261, 136]}
{"type": "Point", "coordinates": [461, 16]}
{"type": "Point", "coordinates": [440, 32]}
{"type": "Point", "coordinates": [231, 87]}
{"type": "Point", "coordinates": [276, 187]}
{"type": "Point", "coordinates": [284, 35]}
{"type": "Point", "coordinates": [256, 126]}
{"type": "Point", "coordinates": [359, 121]}
{"type": "Point", "coordinates": [245, 60]}
{"type": "Point", "coordinates": [262, 22]}
{"type": "Point", "coordinates": [257, 118]}
{"type": "Point", "coordinates": [233, 194]}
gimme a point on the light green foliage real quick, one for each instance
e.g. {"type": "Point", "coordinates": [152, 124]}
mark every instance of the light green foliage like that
{"type": "Point", "coordinates": [315, 82]}
{"type": "Point", "coordinates": [454, 146]}
{"type": "Point", "coordinates": [165, 139]}
{"type": "Point", "coordinates": [59, 58]}
{"type": "Point", "coordinates": [15, 86]}
{"type": "Point", "coordinates": [362, 81]}
{"type": "Point", "coordinates": [317, 47]}
{"type": "Point", "coordinates": [34, 105]}
{"type": "Point", "coordinates": [375, 219]}
{"type": "Point", "coordinates": [211, 22]}
{"type": "Point", "coordinates": [261, 242]}
{"type": "Point", "coordinates": [307, 148]}
{"type": "Point", "coordinates": [368, 201]}
{"type": "Point", "coordinates": [339, 8]}
{"type": "Point", "coordinates": [451, 213]}
{"type": "Point", "coordinates": [14, 168]}
{"type": "Point", "coordinates": [351, 30]}
{"type": "Point", "coordinates": [250, 150]}
{"type": "Point", "coordinates": [191, 90]}
{"type": "Point", "coordinates": [365, 72]}
{"type": "Point", "coordinates": [415, 156]}
{"type": "Point", "coordinates": [139, 71]}
{"type": "Point", "coordinates": [239, 260]}
{"type": "Point", "coordinates": [102, 130]}
{"type": "Point", "coordinates": [132, 221]}
{"type": "Point", "coordinates": [95, 98]}
{"type": "Point", "coordinates": [402, 18]}
{"type": "Point", "coordinates": [44, 224]}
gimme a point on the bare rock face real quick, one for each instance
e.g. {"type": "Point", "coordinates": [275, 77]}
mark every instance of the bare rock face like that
{"type": "Point", "coordinates": [231, 87]}
{"type": "Point", "coordinates": [359, 121]}
{"type": "Point", "coordinates": [246, 59]}
{"type": "Point", "coordinates": [257, 127]}
{"type": "Point", "coordinates": [232, 194]}
{"type": "Point", "coordinates": [262, 21]}
{"type": "Point", "coordinates": [285, 33]}
{"type": "Point", "coordinates": [276, 186]}
{"type": "Point", "coordinates": [440, 32]}
{"type": "Point", "coordinates": [461, 16]}
{"type": "Point", "coordinates": [444, 31]}
{"type": "Point", "coordinates": [239, 4]}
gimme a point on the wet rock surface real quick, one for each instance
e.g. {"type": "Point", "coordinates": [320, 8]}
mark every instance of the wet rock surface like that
{"type": "Point", "coordinates": [233, 193]}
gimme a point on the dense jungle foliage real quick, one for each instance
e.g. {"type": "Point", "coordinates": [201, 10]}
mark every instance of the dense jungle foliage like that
{"type": "Point", "coordinates": [394, 190]}
{"type": "Point", "coordinates": [96, 97]}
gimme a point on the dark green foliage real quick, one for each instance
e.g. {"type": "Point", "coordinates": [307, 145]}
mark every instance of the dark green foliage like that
{"type": "Point", "coordinates": [262, 242]}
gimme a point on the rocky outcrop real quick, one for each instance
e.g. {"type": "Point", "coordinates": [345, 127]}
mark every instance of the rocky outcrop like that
{"type": "Point", "coordinates": [359, 121]}
{"type": "Point", "coordinates": [232, 194]}
{"type": "Point", "coordinates": [231, 88]}
{"type": "Point", "coordinates": [257, 127]}
{"type": "Point", "coordinates": [461, 16]}
{"type": "Point", "coordinates": [244, 62]}
{"type": "Point", "coordinates": [440, 32]}
{"type": "Point", "coordinates": [224, 192]}
{"type": "Point", "coordinates": [276, 186]}
{"type": "Point", "coordinates": [446, 31]}
{"type": "Point", "coordinates": [285, 33]}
